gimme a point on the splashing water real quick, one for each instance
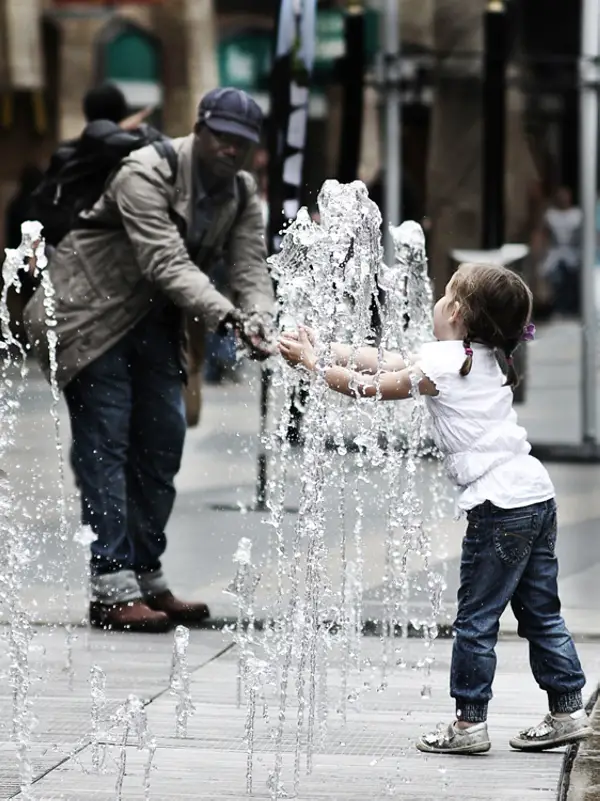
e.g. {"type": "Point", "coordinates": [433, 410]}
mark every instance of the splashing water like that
{"type": "Point", "coordinates": [14, 546]}
{"type": "Point", "coordinates": [180, 680]}
{"type": "Point", "coordinates": [258, 674]}
{"type": "Point", "coordinates": [254, 672]}
{"type": "Point", "coordinates": [84, 536]}
{"type": "Point", "coordinates": [98, 715]}
{"type": "Point", "coordinates": [408, 325]}
{"type": "Point", "coordinates": [63, 533]}
{"type": "Point", "coordinates": [18, 550]}
{"type": "Point", "coordinates": [31, 255]}
{"type": "Point", "coordinates": [243, 588]}
{"type": "Point", "coordinates": [327, 276]}
{"type": "Point", "coordinates": [134, 721]}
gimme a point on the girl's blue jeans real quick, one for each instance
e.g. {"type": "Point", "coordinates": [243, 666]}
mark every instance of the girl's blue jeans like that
{"type": "Point", "coordinates": [508, 555]}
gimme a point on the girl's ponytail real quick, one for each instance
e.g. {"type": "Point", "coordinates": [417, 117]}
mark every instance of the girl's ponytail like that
{"type": "Point", "coordinates": [512, 377]}
{"type": "Point", "coordinates": [468, 362]}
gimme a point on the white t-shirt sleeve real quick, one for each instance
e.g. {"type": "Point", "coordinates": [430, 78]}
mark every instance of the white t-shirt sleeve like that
{"type": "Point", "coordinates": [438, 365]}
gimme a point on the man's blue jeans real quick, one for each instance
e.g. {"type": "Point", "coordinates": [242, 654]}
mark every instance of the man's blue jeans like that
{"type": "Point", "coordinates": [128, 427]}
{"type": "Point", "coordinates": [508, 555]}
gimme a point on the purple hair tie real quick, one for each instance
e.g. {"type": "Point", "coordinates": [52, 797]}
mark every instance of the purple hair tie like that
{"type": "Point", "coordinates": [528, 334]}
{"type": "Point", "coordinates": [469, 352]}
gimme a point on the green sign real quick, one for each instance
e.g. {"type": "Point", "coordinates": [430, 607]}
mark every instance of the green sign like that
{"type": "Point", "coordinates": [132, 55]}
{"type": "Point", "coordinates": [245, 61]}
{"type": "Point", "coordinates": [131, 60]}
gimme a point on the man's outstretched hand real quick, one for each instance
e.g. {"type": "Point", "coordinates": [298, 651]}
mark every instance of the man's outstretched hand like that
{"type": "Point", "coordinates": [253, 331]}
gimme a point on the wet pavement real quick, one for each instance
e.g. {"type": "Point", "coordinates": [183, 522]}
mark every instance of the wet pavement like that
{"type": "Point", "coordinates": [371, 756]}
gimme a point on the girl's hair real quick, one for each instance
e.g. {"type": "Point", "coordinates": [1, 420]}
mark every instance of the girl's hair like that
{"type": "Point", "coordinates": [495, 306]}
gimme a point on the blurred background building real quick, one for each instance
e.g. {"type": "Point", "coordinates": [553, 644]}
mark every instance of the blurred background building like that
{"type": "Point", "coordinates": [166, 53]}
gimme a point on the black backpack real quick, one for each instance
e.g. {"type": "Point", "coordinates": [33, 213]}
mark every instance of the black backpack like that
{"type": "Point", "coordinates": [81, 169]}
{"type": "Point", "coordinates": [79, 172]}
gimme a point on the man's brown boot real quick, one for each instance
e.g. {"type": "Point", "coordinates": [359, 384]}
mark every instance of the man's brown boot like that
{"type": "Point", "coordinates": [188, 614]}
{"type": "Point", "coordinates": [131, 616]}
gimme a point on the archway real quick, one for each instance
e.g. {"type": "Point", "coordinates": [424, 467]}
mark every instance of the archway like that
{"type": "Point", "coordinates": [131, 57]}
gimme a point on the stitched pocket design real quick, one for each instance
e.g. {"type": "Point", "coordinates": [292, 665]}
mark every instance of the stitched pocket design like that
{"type": "Point", "coordinates": [513, 538]}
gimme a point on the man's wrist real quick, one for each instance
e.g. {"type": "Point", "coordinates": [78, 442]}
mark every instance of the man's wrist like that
{"type": "Point", "coordinates": [231, 321]}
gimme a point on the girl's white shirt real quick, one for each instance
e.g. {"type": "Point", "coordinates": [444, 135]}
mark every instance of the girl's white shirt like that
{"type": "Point", "coordinates": [474, 425]}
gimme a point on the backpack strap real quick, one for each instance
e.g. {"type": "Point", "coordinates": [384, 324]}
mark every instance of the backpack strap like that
{"type": "Point", "coordinates": [165, 149]}
{"type": "Point", "coordinates": [242, 191]}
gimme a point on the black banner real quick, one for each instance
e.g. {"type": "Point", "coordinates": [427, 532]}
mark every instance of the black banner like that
{"type": "Point", "coordinates": [293, 61]}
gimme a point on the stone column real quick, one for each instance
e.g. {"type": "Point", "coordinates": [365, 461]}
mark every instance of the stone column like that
{"type": "Point", "coordinates": [370, 145]}
{"type": "Point", "coordinates": [202, 42]}
{"type": "Point", "coordinates": [76, 74]}
{"type": "Point", "coordinates": [416, 31]}
{"type": "Point", "coordinates": [454, 170]}
{"type": "Point", "coordinates": [187, 30]}
{"type": "Point", "coordinates": [455, 162]}
{"type": "Point", "coordinates": [522, 174]}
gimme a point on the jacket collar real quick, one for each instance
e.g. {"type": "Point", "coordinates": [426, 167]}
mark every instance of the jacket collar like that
{"type": "Point", "coordinates": [183, 182]}
{"type": "Point", "coordinates": [186, 175]}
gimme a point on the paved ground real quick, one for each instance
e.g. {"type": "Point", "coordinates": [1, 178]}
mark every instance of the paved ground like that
{"type": "Point", "coordinates": [219, 466]}
{"type": "Point", "coordinates": [371, 756]}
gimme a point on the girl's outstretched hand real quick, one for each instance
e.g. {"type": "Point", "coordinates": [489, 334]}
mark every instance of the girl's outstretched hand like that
{"type": "Point", "coordinates": [297, 348]}
{"type": "Point", "coordinates": [310, 333]}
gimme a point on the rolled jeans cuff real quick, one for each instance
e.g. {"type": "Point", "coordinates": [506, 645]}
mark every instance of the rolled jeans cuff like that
{"type": "Point", "coordinates": [115, 588]}
{"type": "Point", "coordinates": [470, 712]}
{"type": "Point", "coordinates": [565, 702]}
{"type": "Point", "coordinates": [152, 583]}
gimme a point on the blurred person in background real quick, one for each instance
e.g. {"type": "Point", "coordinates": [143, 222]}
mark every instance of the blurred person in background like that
{"type": "Point", "coordinates": [562, 264]}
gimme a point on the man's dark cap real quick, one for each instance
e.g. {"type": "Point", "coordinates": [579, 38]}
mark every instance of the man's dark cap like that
{"type": "Point", "coordinates": [231, 111]}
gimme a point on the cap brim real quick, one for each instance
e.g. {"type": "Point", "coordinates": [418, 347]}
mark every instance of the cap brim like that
{"type": "Point", "coordinates": [220, 125]}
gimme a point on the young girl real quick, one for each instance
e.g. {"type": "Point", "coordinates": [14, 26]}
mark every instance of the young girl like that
{"type": "Point", "coordinates": [508, 553]}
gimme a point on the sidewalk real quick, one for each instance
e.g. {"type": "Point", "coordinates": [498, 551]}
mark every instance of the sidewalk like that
{"type": "Point", "coordinates": [371, 757]}
{"type": "Point", "coordinates": [220, 466]}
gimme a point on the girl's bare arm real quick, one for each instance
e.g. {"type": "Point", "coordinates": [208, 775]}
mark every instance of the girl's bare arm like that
{"type": "Point", "coordinates": [396, 385]}
{"type": "Point", "coordinates": [366, 359]}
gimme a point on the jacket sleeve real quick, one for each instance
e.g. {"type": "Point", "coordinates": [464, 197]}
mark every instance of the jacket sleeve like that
{"type": "Point", "coordinates": [143, 203]}
{"type": "Point", "coordinates": [249, 277]}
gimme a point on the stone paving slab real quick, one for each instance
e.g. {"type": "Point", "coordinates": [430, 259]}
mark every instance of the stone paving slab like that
{"type": "Point", "coordinates": [133, 664]}
{"type": "Point", "coordinates": [372, 756]}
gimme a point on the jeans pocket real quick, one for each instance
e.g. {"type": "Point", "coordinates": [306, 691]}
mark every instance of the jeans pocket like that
{"type": "Point", "coordinates": [552, 530]}
{"type": "Point", "coordinates": [513, 537]}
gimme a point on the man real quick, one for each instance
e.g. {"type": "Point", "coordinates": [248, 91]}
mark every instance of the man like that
{"type": "Point", "coordinates": [105, 102]}
{"type": "Point", "coordinates": [124, 282]}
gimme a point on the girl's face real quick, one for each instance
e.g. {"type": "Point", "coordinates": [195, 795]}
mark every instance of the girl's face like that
{"type": "Point", "coordinates": [446, 317]}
